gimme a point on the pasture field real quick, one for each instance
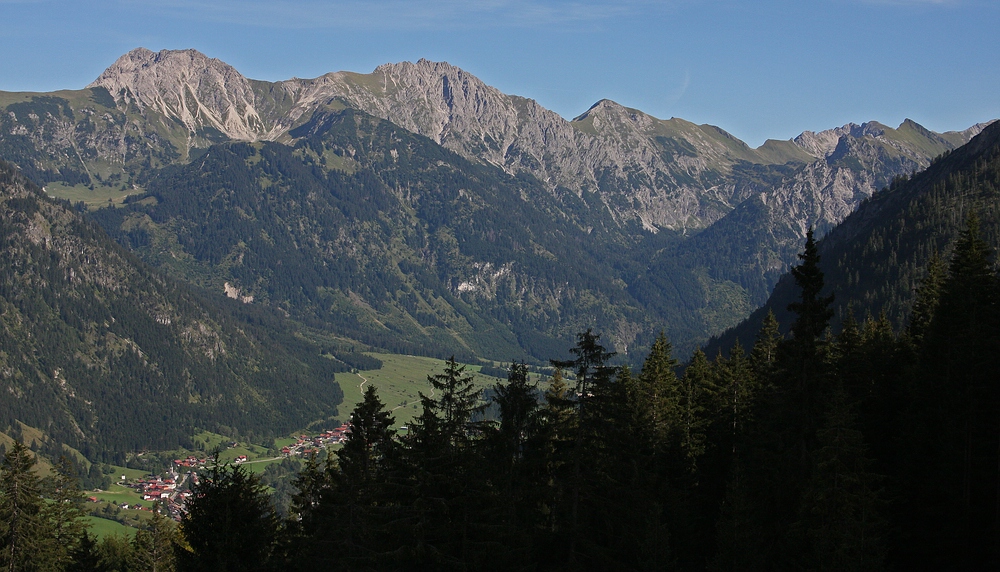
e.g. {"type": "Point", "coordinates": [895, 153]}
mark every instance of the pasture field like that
{"type": "Point", "coordinates": [258, 466]}
{"type": "Point", "coordinates": [100, 196]}
{"type": "Point", "coordinates": [101, 527]}
{"type": "Point", "coordinates": [118, 494]}
{"type": "Point", "coordinates": [130, 474]}
{"type": "Point", "coordinates": [399, 383]}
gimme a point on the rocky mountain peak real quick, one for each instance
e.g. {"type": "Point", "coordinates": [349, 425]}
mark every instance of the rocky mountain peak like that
{"type": "Point", "coordinates": [607, 114]}
{"type": "Point", "coordinates": [437, 99]}
{"type": "Point", "coordinates": [664, 173]}
{"type": "Point", "coordinates": [824, 143]}
{"type": "Point", "coordinates": [186, 85]}
{"type": "Point", "coordinates": [975, 129]}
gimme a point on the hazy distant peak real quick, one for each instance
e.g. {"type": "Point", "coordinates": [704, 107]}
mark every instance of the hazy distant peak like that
{"type": "Point", "coordinates": [422, 65]}
{"type": "Point", "coordinates": [824, 143]}
{"type": "Point", "coordinates": [450, 82]}
{"type": "Point", "coordinates": [967, 134]}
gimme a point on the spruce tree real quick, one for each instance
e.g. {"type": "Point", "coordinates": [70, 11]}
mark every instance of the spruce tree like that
{"type": "Point", "coordinates": [518, 404]}
{"type": "Point", "coordinates": [230, 523]}
{"type": "Point", "coordinates": [764, 353]}
{"type": "Point", "coordinates": [369, 443]}
{"type": "Point", "coordinates": [62, 514]}
{"type": "Point", "coordinates": [444, 485]}
{"type": "Point", "coordinates": [341, 506]}
{"type": "Point", "coordinates": [959, 400]}
{"type": "Point", "coordinates": [842, 513]}
{"type": "Point", "coordinates": [737, 386]}
{"type": "Point", "coordinates": [447, 412]}
{"type": "Point", "coordinates": [926, 299]}
{"type": "Point", "coordinates": [741, 529]}
{"type": "Point", "coordinates": [154, 543]}
{"type": "Point", "coordinates": [117, 554]}
{"type": "Point", "coordinates": [515, 457]}
{"type": "Point", "coordinates": [656, 402]}
{"type": "Point", "coordinates": [803, 364]}
{"type": "Point", "coordinates": [556, 438]}
{"type": "Point", "coordinates": [593, 392]}
{"type": "Point", "coordinates": [21, 511]}
{"type": "Point", "coordinates": [812, 310]}
{"type": "Point", "coordinates": [86, 556]}
{"type": "Point", "coordinates": [698, 392]}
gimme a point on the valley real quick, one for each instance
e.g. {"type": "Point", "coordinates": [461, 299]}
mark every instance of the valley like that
{"type": "Point", "coordinates": [778, 357]}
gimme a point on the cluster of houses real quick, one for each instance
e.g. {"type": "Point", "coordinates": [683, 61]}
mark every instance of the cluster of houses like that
{"type": "Point", "coordinates": [305, 445]}
{"type": "Point", "coordinates": [156, 488]}
{"type": "Point", "coordinates": [166, 491]}
{"type": "Point", "coordinates": [191, 462]}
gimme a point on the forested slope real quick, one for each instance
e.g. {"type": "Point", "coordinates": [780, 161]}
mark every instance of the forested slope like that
{"type": "Point", "coordinates": [108, 355]}
{"type": "Point", "coordinates": [384, 236]}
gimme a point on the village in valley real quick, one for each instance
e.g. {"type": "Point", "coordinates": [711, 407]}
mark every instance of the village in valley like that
{"type": "Point", "coordinates": [134, 494]}
{"type": "Point", "coordinates": [305, 445]}
{"type": "Point", "coordinates": [163, 481]}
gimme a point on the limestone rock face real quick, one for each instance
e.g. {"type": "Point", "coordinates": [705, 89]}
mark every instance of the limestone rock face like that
{"type": "Point", "coordinates": [186, 85]}
{"type": "Point", "coordinates": [609, 149]}
{"type": "Point", "coordinates": [661, 174]}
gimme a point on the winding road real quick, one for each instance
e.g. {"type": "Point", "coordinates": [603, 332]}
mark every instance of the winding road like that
{"type": "Point", "coordinates": [364, 380]}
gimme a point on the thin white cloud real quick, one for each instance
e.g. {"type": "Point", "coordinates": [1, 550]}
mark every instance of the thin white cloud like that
{"type": "Point", "coordinates": [914, 2]}
{"type": "Point", "coordinates": [399, 14]}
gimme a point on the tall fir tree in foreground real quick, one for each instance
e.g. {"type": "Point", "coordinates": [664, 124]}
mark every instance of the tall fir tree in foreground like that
{"type": "Point", "coordinates": [23, 531]}
{"type": "Point", "coordinates": [841, 516]}
{"type": "Point", "coordinates": [956, 478]}
{"type": "Point", "coordinates": [230, 523]}
{"type": "Point", "coordinates": [62, 515]}
{"type": "Point", "coordinates": [349, 493]}
{"type": "Point", "coordinates": [592, 393]}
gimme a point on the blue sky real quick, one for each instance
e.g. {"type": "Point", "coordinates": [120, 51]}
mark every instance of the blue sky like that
{"type": "Point", "coordinates": [758, 69]}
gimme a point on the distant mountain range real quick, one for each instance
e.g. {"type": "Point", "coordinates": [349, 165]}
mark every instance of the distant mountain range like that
{"type": "Point", "coordinates": [422, 209]}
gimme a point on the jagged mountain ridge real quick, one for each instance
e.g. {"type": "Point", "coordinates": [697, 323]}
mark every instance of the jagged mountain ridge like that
{"type": "Point", "coordinates": [664, 173]}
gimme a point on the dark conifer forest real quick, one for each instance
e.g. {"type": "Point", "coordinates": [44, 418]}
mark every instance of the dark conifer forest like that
{"type": "Point", "coordinates": [107, 355]}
